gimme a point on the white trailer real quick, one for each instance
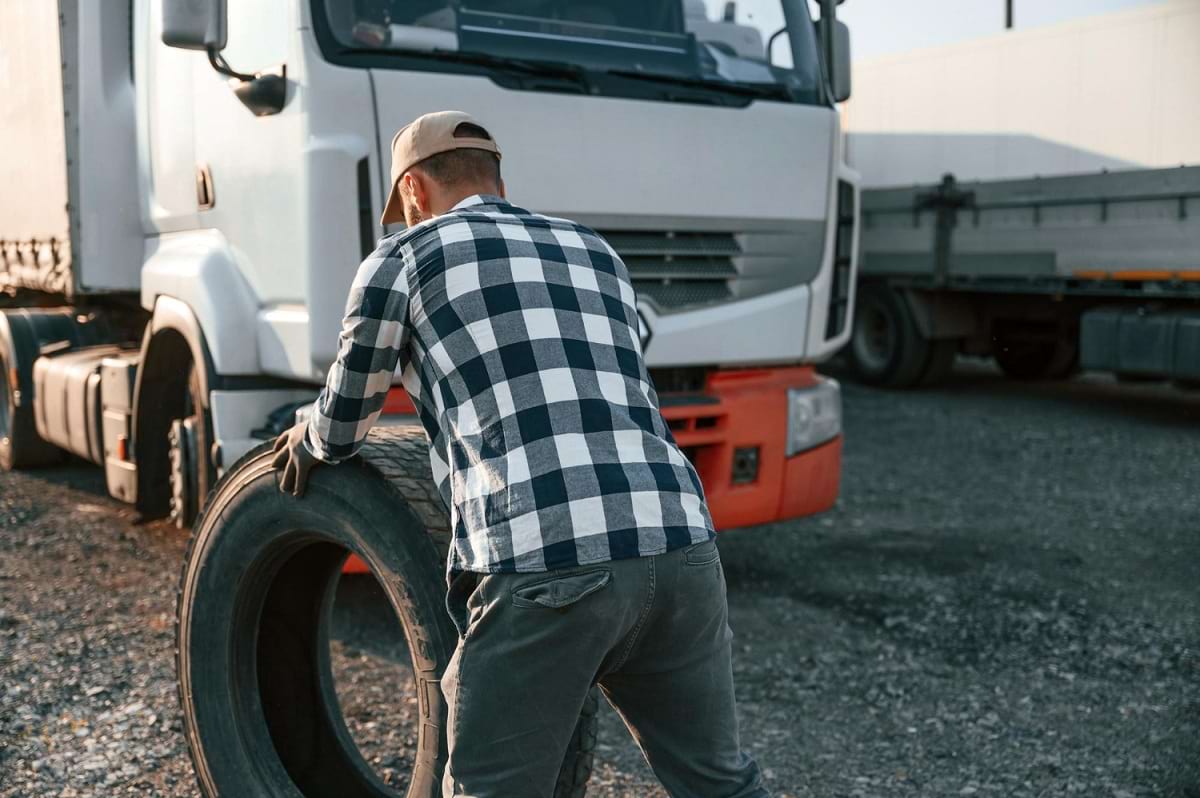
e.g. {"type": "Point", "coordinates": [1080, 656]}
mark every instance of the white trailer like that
{"type": "Point", "coordinates": [1027, 200]}
{"type": "Point", "coordinates": [177, 238]}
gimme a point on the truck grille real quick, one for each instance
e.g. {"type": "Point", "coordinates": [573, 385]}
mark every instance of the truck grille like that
{"type": "Point", "coordinates": [676, 269]}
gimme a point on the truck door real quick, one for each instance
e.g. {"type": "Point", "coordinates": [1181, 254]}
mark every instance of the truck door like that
{"type": "Point", "coordinates": [166, 142]}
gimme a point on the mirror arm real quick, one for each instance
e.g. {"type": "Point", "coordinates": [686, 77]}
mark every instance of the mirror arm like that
{"type": "Point", "coordinates": [828, 15]}
{"type": "Point", "coordinates": [221, 65]}
{"type": "Point", "coordinates": [264, 93]}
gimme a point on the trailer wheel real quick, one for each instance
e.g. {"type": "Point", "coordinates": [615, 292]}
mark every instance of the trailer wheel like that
{"type": "Point", "coordinates": [20, 332]}
{"type": "Point", "coordinates": [261, 715]}
{"type": "Point", "coordinates": [18, 437]}
{"type": "Point", "coordinates": [1024, 359]}
{"type": "Point", "coordinates": [886, 348]}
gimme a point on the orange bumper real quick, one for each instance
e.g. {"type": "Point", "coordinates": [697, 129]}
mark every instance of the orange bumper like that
{"type": "Point", "coordinates": [747, 410]}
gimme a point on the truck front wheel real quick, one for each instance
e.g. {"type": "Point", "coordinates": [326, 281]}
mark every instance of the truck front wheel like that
{"type": "Point", "coordinates": [256, 683]}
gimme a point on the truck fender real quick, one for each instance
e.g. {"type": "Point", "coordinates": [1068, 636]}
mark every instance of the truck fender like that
{"type": "Point", "coordinates": [172, 340]}
{"type": "Point", "coordinates": [174, 314]}
{"type": "Point", "coordinates": [940, 316]}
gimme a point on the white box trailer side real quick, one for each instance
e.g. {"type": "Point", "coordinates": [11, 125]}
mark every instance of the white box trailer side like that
{"type": "Point", "coordinates": [1114, 91]}
{"type": "Point", "coordinates": [69, 215]}
{"type": "Point", "coordinates": [35, 228]}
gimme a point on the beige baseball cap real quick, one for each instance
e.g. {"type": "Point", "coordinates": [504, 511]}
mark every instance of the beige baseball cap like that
{"type": "Point", "coordinates": [423, 137]}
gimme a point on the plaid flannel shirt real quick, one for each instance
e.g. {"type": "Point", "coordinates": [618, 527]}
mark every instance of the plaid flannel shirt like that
{"type": "Point", "coordinates": [516, 336]}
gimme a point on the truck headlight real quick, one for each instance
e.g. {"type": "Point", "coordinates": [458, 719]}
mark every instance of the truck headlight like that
{"type": "Point", "coordinates": [814, 415]}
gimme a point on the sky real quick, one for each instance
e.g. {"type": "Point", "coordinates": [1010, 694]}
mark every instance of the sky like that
{"type": "Point", "coordinates": [880, 27]}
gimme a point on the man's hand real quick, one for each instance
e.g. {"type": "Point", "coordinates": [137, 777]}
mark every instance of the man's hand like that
{"type": "Point", "coordinates": [293, 457]}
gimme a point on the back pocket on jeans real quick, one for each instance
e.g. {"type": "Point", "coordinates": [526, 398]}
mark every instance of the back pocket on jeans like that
{"type": "Point", "coordinates": [560, 591]}
{"type": "Point", "coordinates": [703, 553]}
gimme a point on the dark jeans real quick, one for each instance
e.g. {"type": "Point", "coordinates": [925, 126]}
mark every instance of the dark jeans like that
{"type": "Point", "coordinates": [651, 631]}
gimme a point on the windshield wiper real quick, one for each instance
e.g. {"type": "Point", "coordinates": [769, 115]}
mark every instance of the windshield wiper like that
{"type": "Point", "coordinates": [526, 67]}
{"type": "Point", "coordinates": [769, 91]}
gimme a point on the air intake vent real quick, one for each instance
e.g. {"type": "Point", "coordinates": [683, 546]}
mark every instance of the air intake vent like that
{"type": "Point", "coordinates": [843, 272]}
{"type": "Point", "coordinates": [366, 219]}
{"type": "Point", "coordinates": [674, 269]}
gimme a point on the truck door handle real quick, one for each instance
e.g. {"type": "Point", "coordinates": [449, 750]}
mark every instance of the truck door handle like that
{"type": "Point", "coordinates": [205, 197]}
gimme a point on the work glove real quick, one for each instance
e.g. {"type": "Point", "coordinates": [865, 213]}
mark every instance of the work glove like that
{"type": "Point", "coordinates": [293, 457]}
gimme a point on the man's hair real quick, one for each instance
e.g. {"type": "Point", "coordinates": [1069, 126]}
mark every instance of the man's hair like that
{"type": "Point", "coordinates": [463, 166]}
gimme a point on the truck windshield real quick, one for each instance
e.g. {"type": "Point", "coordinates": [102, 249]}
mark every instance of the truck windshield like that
{"type": "Point", "coordinates": [719, 51]}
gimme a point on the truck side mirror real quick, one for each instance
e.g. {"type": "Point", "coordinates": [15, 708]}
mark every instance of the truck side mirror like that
{"type": "Point", "coordinates": [201, 25]}
{"type": "Point", "coordinates": [835, 45]}
{"type": "Point", "coordinates": [194, 24]}
{"type": "Point", "coordinates": [841, 62]}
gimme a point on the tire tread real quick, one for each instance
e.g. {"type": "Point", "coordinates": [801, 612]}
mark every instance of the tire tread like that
{"type": "Point", "coordinates": [401, 456]}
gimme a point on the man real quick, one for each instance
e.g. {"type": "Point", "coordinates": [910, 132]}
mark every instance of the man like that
{"type": "Point", "coordinates": [582, 550]}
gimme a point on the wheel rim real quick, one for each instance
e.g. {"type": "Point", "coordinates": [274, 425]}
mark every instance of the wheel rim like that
{"type": "Point", "coordinates": [874, 337]}
{"type": "Point", "coordinates": [182, 459]}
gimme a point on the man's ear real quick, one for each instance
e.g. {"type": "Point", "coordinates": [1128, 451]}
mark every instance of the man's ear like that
{"type": "Point", "coordinates": [417, 191]}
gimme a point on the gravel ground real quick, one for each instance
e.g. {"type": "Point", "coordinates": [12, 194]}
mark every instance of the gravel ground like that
{"type": "Point", "coordinates": [1004, 602]}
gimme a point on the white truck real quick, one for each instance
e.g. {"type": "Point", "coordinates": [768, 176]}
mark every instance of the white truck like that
{"type": "Point", "coordinates": [189, 185]}
{"type": "Point", "coordinates": [1033, 197]}
{"type": "Point", "coordinates": [176, 240]}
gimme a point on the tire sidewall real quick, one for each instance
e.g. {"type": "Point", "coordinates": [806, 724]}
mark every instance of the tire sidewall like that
{"type": "Point", "coordinates": [19, 342]}
{"type": "Point", "coordinates": [245, 523]}
{"type": "Point", "coordinates": [22, 447]}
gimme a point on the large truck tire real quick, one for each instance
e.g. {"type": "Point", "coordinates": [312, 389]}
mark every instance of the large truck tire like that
{"type": "Point", "coordinates": [20, 444]}
{"type": "Point", "coordinates": [22, 334]}
{"type": "Point", "coordinates": [255, 678]}
{"type": "Point", "coordinates": [886, 347]}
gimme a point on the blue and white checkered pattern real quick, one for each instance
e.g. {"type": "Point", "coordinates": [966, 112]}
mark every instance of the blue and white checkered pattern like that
{"type": "Point", "coordinates": [517, 339]}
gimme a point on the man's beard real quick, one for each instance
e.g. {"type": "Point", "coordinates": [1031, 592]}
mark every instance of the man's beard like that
{"type": "Point", "coordinates": [412, 214]}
